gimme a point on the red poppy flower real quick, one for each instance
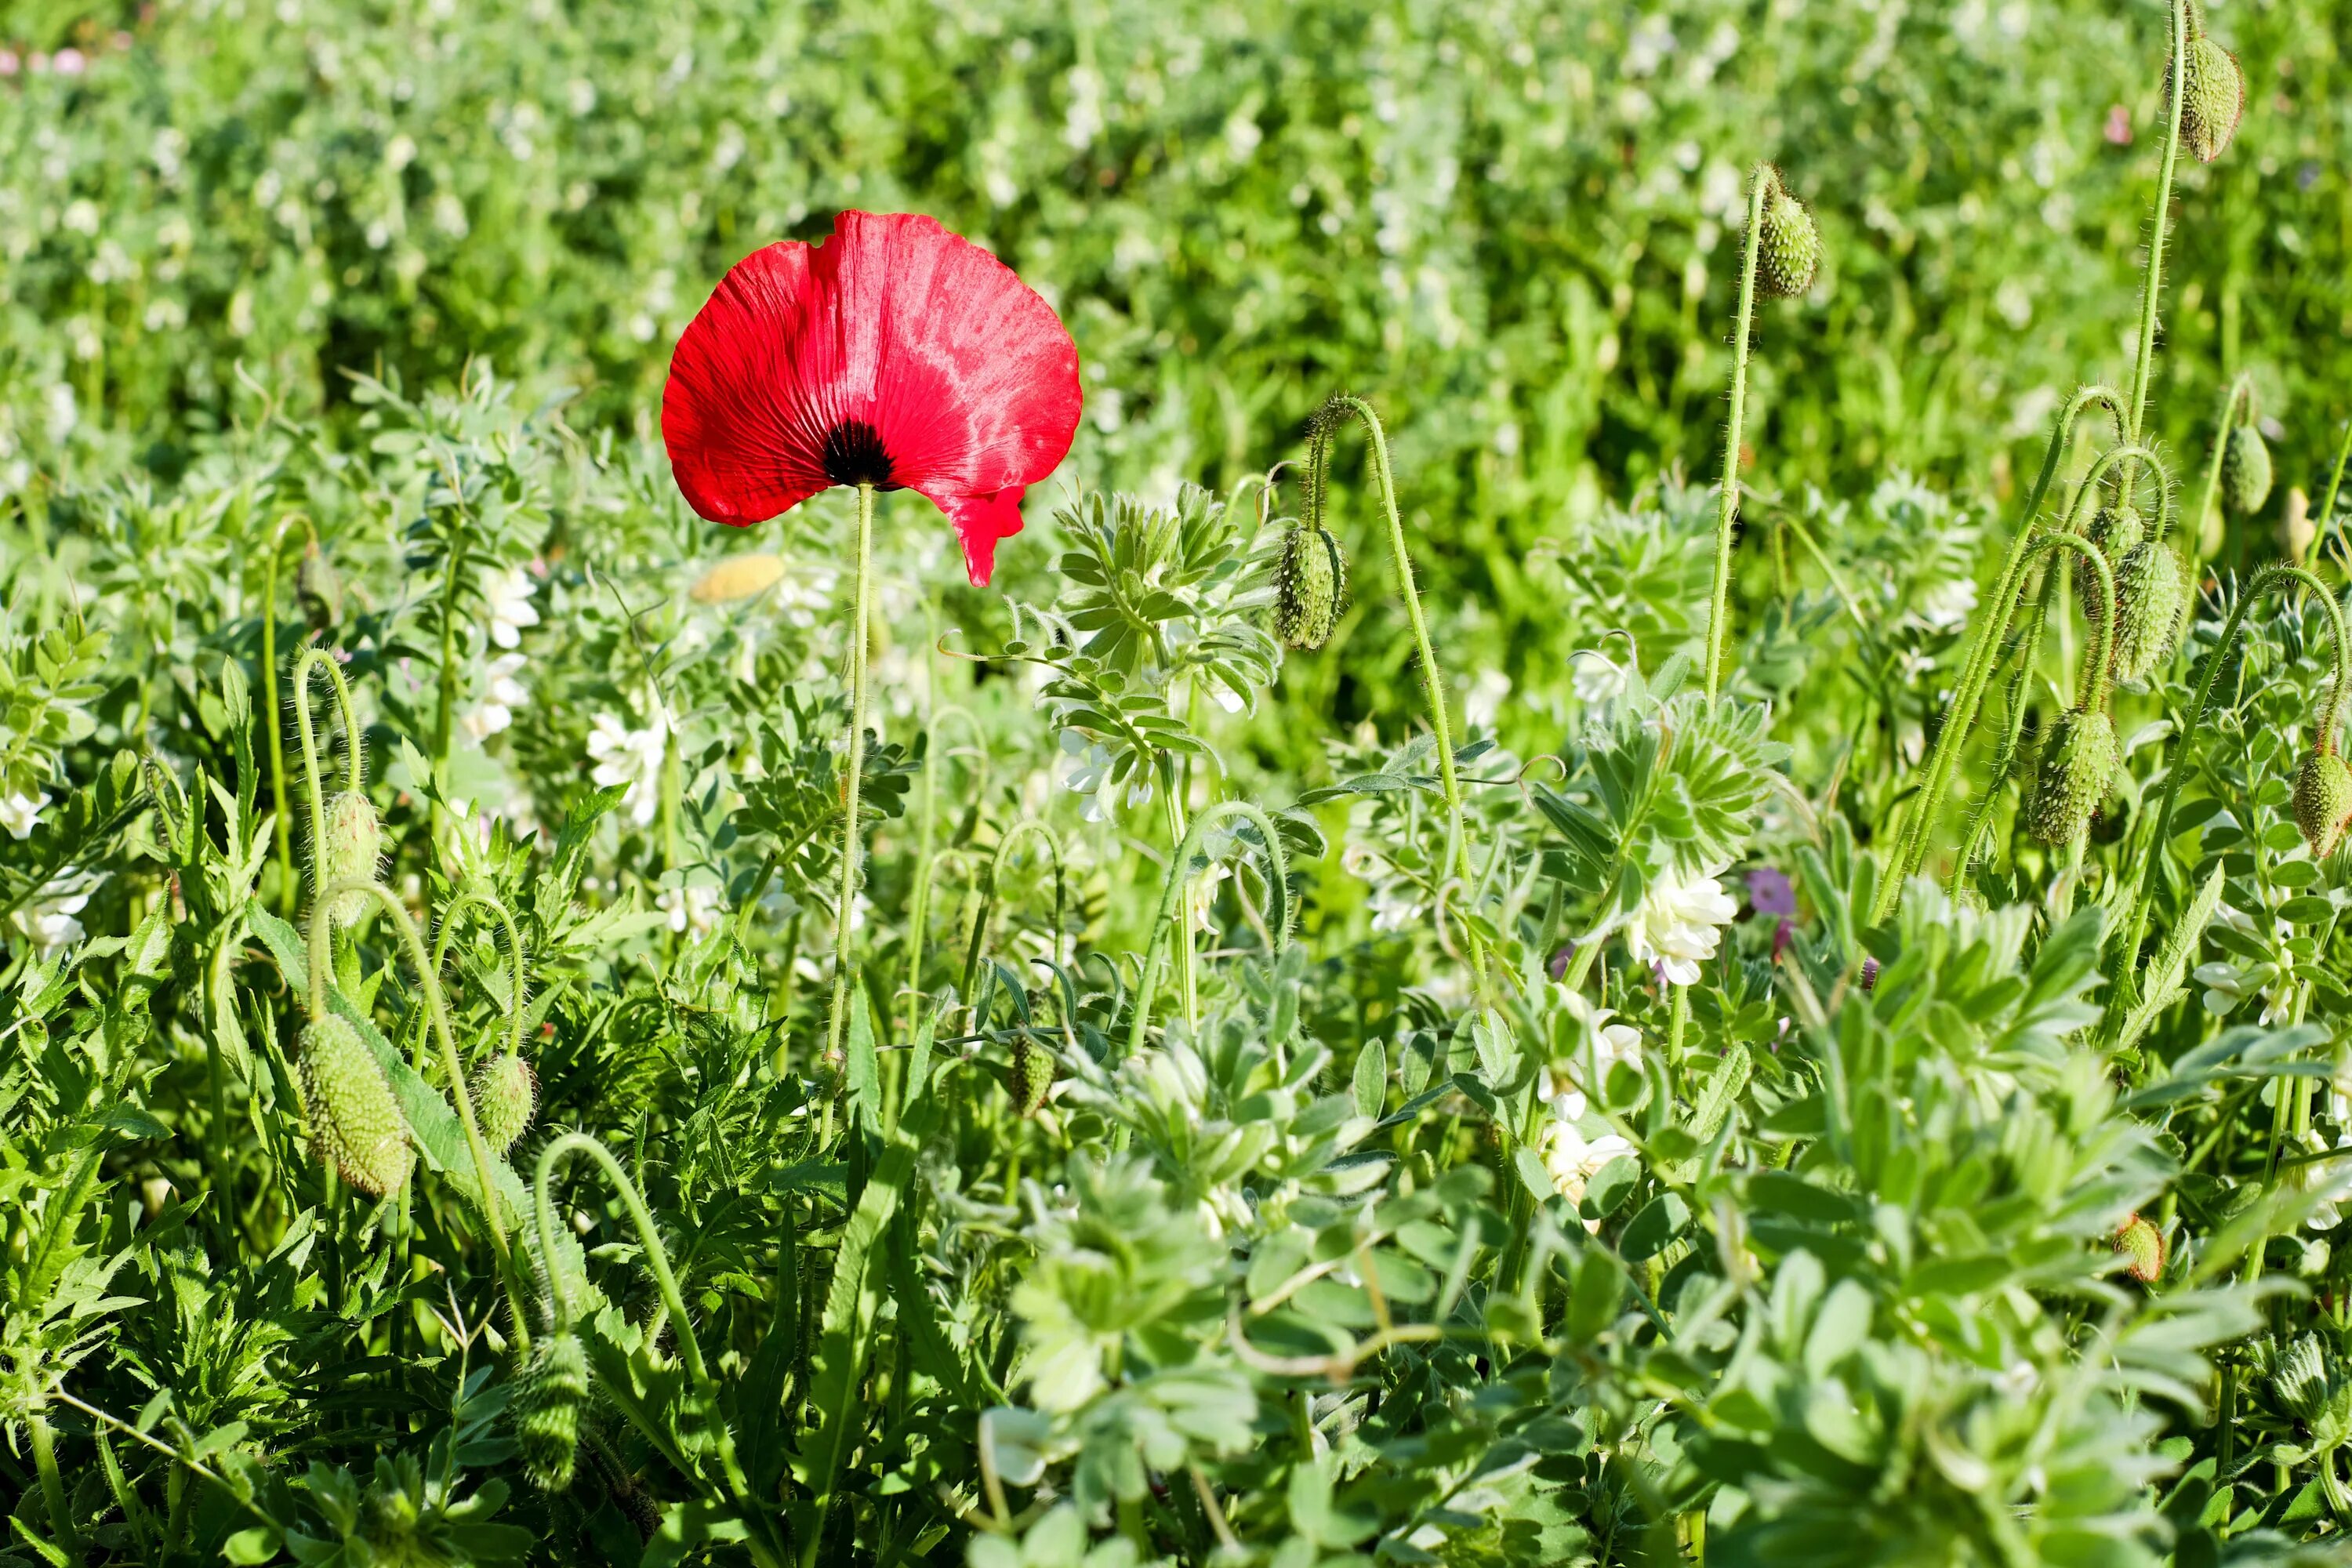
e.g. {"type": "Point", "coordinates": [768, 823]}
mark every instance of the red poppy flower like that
{"type": "Point", "coordinates": [895, 355]}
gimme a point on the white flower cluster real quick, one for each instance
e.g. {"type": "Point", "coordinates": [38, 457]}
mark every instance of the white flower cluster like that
{"type": "Point", "coordinates": [631, 757]}
{"type": "Point", "coordinates": [1679, 922]}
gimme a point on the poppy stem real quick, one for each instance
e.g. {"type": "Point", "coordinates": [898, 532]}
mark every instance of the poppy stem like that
{"type": "Point", "coordinates": [1727, 505]}
{"type": "Point", "coordinates": [853, 776]}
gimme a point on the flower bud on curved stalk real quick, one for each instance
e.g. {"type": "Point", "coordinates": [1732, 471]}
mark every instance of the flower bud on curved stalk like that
{"type": "Point", "coordinates": [546, 1406]}
{"type": "Point", "coordinates": [1033, 1075]}
{"type": "Point", "coordinates": [2245, 470]}
{"type": "Point", "coordinates": [1788, 248]}
{"type": "Point", "coordinates": [356, 1124]}
{"type": "Point", "coordinates": [506, 1097]}
{"type": "Point", "coordinates": [2323, 799]}
{"type": "Point", "coordinates": [2140, 1240]}
{"type": "Point", "coordinates": [2215, 99]}
{"type": "Point", "coordinates": [2078, 765]}
{"type": "Point", "coordinates": [2151, 598]}
{"type": "Point", "coordinates": [1311, 583]}
{"type": "Point", "coordinates": [349, 849]}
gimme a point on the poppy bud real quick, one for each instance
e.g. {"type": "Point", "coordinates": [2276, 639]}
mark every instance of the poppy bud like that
{"type": "Point", "coordinates": [1033, 1075]}
{"type": "Point", "coordinates": [1310, 581]}
{"type": "Point", "coordinates": [319, 588]}
{"type": "Point", "coordinates": [2215, 99]}
{"type": "Point", "coordinates": [505, 1095]}
{"type": "Point", "coordinates": [2323, 800]}
{"type": "Point", "coordinates": [2299, 1379]}
{"type": "Point", "coordinates": [1788, 246]}
{"type": "Point", "coordinates": [2138, 1237]}
{"type": "Point", "coordinates": [546, 1410]}
{"type": "Point", "coordinates": [2245, 470]}
{"type": "Point", "coordinates": [348, 851]}
{"type": "Point", "coordinates": [355, 1120]}
{"type": "Point", "coordinates": [2077, 765]}
{"type": "Point", "coordinates": [2150, 602]}
{"type": "Point", "coordinates": [2116, 530]}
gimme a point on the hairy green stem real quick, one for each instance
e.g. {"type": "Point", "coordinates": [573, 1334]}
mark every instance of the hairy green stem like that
{"type": "Point", "coordinates": [1179, 875]}
{"type": "Point", "coordinates": [53, 1489]}
{"type": "Point", "coordinates": [2144, 362]}
{"type": "Point", "coordinates": [2028, 657]}
{"type": "Point", "coordinates": [978, 947]}
{"type": "Point", "coordinates": [354, 753]}
{"type": "Point", "coordinates": [1935, 777]}
{"type": "Point", "coordinates": [2240, 389]}
{"type": "Point", "coordinates": [690, 1350]}
{"type": "Point", "coordinates": [436, 1008]}
{"type": "Point", "coordinates": [482, 899]}
{"type": "Point", "coordinates": [284, 824]}
{"type": "Point", "coordinates": [1727, 507]}
{"type": "Point", "coordinates": [2103, 639]}
{"type": "Point", "coordinates": [861, 599]}
{"type": "Point", "coordinates": [1433, 680]}
{"type": "Point", "coordinates": [2270, 580]}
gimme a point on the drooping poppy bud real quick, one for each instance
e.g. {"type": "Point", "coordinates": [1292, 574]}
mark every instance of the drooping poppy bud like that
{"type": "Point", "coordinates": [2116, 529]}
{"type": "Point", "coordinates": [1310, 581]}
{"type": "Point", "coordinates": [349, 850]}
{"type": "Point", "coordinates": [546, 1410]}
{"type": "Point", "coordinates": [2323, 800]}
{"type": "Point", "coordinates": [2078, 763]}
{"type": "Point", "coordinates": [2138, 1237]}
{"type": "Point", "coordinates": [2245, 470]}
{"type": "Point", "coordinates": [506, 1096]}
{"type": "Point", "coordinates": [1033, 1075]}
{"type": "Point", "coordinates": [1788, 246]}
{"type": "Point", "coordinates": [355, 1120]}
{"type": "Point", "coordinates": [2150, 599]}
{"type": "Point", "coordinates": [2215, 99]}
{"type": "Point", "coordinates": [893, 354]}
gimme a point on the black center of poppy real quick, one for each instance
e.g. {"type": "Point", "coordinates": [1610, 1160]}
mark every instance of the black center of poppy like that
{"type": "Point", "coordinates": [854, 456]}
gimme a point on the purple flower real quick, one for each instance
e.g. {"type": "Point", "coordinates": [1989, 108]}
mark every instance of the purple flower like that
{"type": "Point", "coordinates": [1769, 891]}
{"type": "Point", "coordinates": [1559, 965]}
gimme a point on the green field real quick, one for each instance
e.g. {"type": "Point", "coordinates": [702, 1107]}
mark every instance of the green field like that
{"type": "Point", "coordinates": [1408, 981]}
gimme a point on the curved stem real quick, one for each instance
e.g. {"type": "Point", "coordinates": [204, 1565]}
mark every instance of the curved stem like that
{"type": "Point", "coordinates": [2029, 656]}
{"type": "Point", "coordinates": [2103, 639]}
{"type": "Point", "coordinates": [1180, 873]}
{"type": "Point", "coordinates": [2335, 484]}
{"type": "Point", "coordinates": [284, 825]}
{"type": "Point", "coordinates": [2270, 580]}
{"type": "Point", "coordinates": [853, 778]}
{"type": "Point", "coordinates": [479, 898]}
{"type": "Point", "coordinates": [996, 862]}
{"type": "Point", "coordinates": [436, 1008]}
{"type": "Point", "coordinates": [1728, 509]}
{"type": "Point", "coordinates": [2242, 389]}
{"type": "Point", "coordinates": [690, 1350]}
{"type": "Point", "coordinates": [1935, 778]}
{"type": "Point", "coordinates": [1433, 680]}
{"type": "Point", "coordinates": [2145, 363]}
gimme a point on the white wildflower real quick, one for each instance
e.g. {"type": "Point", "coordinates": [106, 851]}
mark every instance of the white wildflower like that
{"type": "Point", "coordinates": [507, 593]}
{"type": "Point", "coordinates": [1595, 679]}
{"type": "Point", "coordinates": [631, 757]}
{"type": "Point", "coordinates": [502, 693]}
{"type": "Point", "coordinates": [47, 917]}
{"type": "Point", "coordinates": [1947, 605]}
{"type": "Point", "coordinates": [1679, 922]}
{"type": "Point", "coordinates": [694, 907]}
{"type": "Point", "coordinates": [19, 812]}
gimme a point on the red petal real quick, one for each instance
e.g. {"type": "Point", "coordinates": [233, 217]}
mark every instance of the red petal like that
{"type": "Point", "coordinates": [968, 377]}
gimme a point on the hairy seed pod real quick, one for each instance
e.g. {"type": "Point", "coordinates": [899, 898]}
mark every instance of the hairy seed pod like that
{"type": "Point", "coordinates": [1788, 246]}
{"type": "Point", "coordinates": [2150, 599]}
{"type": "Point", "coordinates": [2138, 1237]}
{"type": "Point", "coordinates": [2245, 470]}
{"type": "Point", "coordinates": [355, 1120]}
{"type": "Point", "coordinates": [319, 589]}
{"type": "Point", "coordinates": [2078, 763]}
{"type": "Point", "coordinates": [2215, 99]}
{"type": "Point", "coordinates": [1311, 581]}
{"type": "Point", "coordinates": [2323, 800]}
{"type": "Point", "coordinates": [546, 1411]}
{"type": "Point", "coordinates": [506, 1096]}
{"type": "Point", "coordinates": [2299, 1379]}
{"type": "Point", "coordinates": [1033, 1075]}
{"type": "Point", "coordinates": [348, 851]}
